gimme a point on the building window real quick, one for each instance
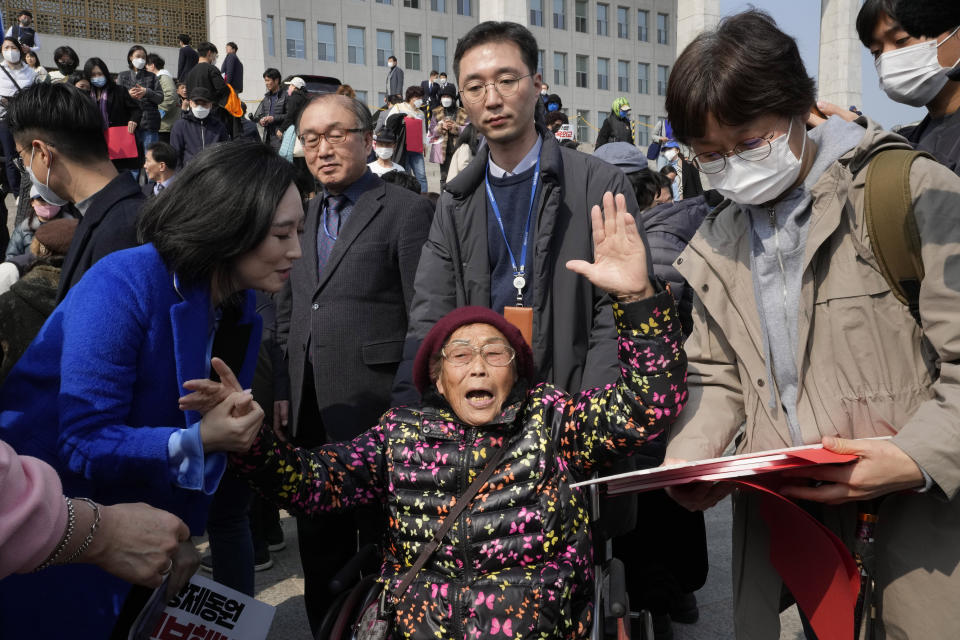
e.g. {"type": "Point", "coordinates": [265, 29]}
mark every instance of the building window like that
{"type": "Point", "coordinates": [381, 98]}
{"type": "Point", "coordinates": [623, 76]}
{"type": "Point", "coordinates": [623, 27]}
{"type": "Point", "coordinates": [411, 43]}
{"type": "Point", "coordinates": [440, 6]}
{"type": "Point", "coordinates": [361, 96]}
{"type": "Point", "coordinates": [326, 42]}
{"type": "Point", "coordinates": [296, 35]}
{"type": "Point", "coordinates": [355, 39]}
{"type": "Point", "coordinates": [643, 131]}
{"type": "Point", "coordinates": [384, 47]}
{"type": "Point", "coordinates": [271, 49]}
{"type": "Point", "coordinates": [663, 74]}
{"type": "Point", "coordinates": [603, 73]}
{"type": "Point", "coordinates": [583, 126]}
{"type": "Point", "coordinates": [540, 55]}
{"type": "Point", "coordinates": [603, 25]}
{"type": "Point", "coordinates": [411, 4]}
{"type": "Point", "coordinates": [559, 69]}
{"type": "Point", "coordinates": [580, 17]}
{"type": "Point", "coordinates": [663, 28]}
{"type": "Point", "coordinates": [643, 77]}
{"type": "Point", "coordinates": [438, 54]}
{"type": "Point", "coordinates": [384, 1]}
{"type": "Point", "coordinates": [536, 13]}
{"type": "Point", "coordinates": [583, 71]}
{"type": "Point", "coordinates": [463, 7]}
{"type": "Point", "coordinates": [559, 14]}
{"type": "Point", "coordinates": [601, 118]}
{"type": "Point", "coordinates": [642, 17]}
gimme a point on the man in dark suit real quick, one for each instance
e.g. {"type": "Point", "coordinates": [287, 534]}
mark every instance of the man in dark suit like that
{"type": "Point", "coordinates": [342, 318]}
{"type": "Point", "coordinates": [188, 58]}
{"type": "Point", "coordinates": [232, 68]}
{"type": "Point", "coordinates": [160, 166]}
{"type": "Point", "coordinates": [431, 92]}
{"type": "Point", "coordinates": [59, 139]}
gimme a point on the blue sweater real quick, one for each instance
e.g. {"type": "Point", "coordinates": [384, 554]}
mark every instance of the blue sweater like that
{"type": "Point", "coordinates": [95, 396]}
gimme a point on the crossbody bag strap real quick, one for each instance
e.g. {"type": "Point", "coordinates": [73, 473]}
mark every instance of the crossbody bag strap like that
{"type": "Point", "coordinates": [447, 524]}
{"type": "Point", "coordinates": [15, 83]}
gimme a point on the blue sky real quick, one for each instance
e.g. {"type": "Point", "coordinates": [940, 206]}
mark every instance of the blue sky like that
{"type": "Point", "coordinates": [802, 21]}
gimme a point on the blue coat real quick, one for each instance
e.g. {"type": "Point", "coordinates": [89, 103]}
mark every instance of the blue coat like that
{"type": "Point", "coordinates": [95, 396]}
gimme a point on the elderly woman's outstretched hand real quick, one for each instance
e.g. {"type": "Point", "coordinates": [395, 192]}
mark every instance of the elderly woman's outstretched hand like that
{"type": "Point", "coordinates": [619, 257]}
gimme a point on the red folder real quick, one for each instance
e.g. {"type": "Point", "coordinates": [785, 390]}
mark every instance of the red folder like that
{"type": "Point", "coordinates": [121, 143]}
{"type": "Point", "coordinates": [414, 134]}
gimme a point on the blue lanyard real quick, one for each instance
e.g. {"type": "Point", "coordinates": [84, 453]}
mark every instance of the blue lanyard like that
{"type": "Point", "coordinates": [519, 280]}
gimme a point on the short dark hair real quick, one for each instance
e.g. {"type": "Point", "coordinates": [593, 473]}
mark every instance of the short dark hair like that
{"type": "Point", "coordinates": [204, 48]}
{"type": "Point", "coordinates": [156, 60]}
{"type": "Point", "coordinates": [164, 152]}
{"type": "Point", "coordinates": [740, 71]}
{"type": "Point", "coordinates": [402, 179]}
{"type": "Point", "coordinates": [133, 50]}
{"type": "Point", "coordinates": [491, 31]}
{"type": "Point", "coordinates": [188, 222]}
{"type": "Point", "coordinates": [413, 91]}
{"type": "Point", "coordinates": [667, 169]}
{"type": "Point", "coordinates": [271, 73]}
{"type": "Point", "coordinates": [394, 58]}
{"type": "Point", "coordinates": [434, 72]}
{"type": "Point", "coordinates": [64, 50]}
{"type": "Point", "coordinates": [97, 62]}
{"type": "Point", "coordinates": [870, 14]}
{"type": "Point", "coordinates": [61, 115]}
{"type": "Point", "coordinates": [76, 77]}
{"type": "Point", "coordinates": [184, 38]}
{"type": "Point", "coordinates": [233, 45]}
{"type": "Point", "coordinates": [647, 185]}
{"type": "Point", "coordinates": [556, 116]}
{"type": "Point", "coordinates": [25, 12]}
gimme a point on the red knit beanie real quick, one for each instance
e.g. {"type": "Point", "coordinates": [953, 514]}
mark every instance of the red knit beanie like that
{"type": "Point", "coordinates": [457, 318]}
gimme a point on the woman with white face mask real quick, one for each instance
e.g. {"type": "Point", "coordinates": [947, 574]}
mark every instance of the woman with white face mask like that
{"type": "Point", "coordinates": [917, 71]}
{"type": "Point", "coordinates": [143, 87]}
{"type": "Point", "coordinates": [797, 336]}
{"type": "Point", "coordinates": [14, 76]}
{"type": "Point", "coordinates": [446, 122]}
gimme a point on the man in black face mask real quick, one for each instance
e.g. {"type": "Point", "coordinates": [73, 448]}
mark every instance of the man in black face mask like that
{"type": "Point", "coordinates": [67, 62]}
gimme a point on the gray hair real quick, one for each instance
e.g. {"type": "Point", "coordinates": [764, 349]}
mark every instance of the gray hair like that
{"type": "Point", "coordinates": [360, 110]}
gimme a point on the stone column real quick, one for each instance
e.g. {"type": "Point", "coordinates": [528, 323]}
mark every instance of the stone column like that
{"type": "Point", "coordinates": [239, 21]}
{"type": "Point", "coordinates": [838, 78]}
{"type": "Point", "coordinates": [694, 17]}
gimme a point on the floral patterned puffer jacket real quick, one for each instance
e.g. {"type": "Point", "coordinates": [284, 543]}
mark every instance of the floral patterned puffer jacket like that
{"type": "Point", "coordinates": [518, 562]}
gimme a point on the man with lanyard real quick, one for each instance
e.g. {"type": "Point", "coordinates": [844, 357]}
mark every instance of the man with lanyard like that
{"type": "Point", "coordinates": [507, 224]}
{"type": "Point", "coordinates": [25, 32]}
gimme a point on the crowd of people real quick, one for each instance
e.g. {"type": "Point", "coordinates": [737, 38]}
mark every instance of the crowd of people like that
{"type": "Point", "coordinates": [207, 316]}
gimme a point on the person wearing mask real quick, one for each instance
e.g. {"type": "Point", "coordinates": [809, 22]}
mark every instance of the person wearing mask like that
{"type": "Point", "coordinates": [143, 87]}
{"type": "Point", "coordinates": [408, 117]}
{"type": "Point", "coordinates": [117, 107]}
{"type": "Point", "coordinates": [34, 63]}
{"type": "Point", "coordinates": [686, 182]}
{"type": "Point", "coordinates": [188, 57]}
{"type": "Point", "coordinates": [394, 77]}
{"type": "Point", "coordinates": [161, 166]}
{"type": "Point", "coordinates": [43, 212]}
{"type": "Point", "coordinates": [479, 251]}
{"type": "Point", "coordinates": [338, 287]}
{"type": "Point", "coordinates": [920, 71]}
{"type": "Point", "coordinates": [442, 79]}
{"type": "Point", "coordinates": [383, 143]}
{"type": "Point", "coordinates": [197, 128]}
{"type": "Point", "coordinates": [431, 93]}
{"type": "Point", "coordinates": [25, 32]}
{"type": "Point", "coordinates": [553, 103]}
{"type": "Point", "coordinates": [798, 339]}
{"type": "Point", "coordinates": [272, 108]}
{"type": "Point", "coordinates": [169, 107]}
{"type": "Point", "coordinates": [67, 62]}
{"type": "Point", "coordinates": [446, 122]}
{"type": "Point", "coordinates": [180, 307]}
{"type": "Point", "coordinates": [15, 76]}
{"type": "Point", "coordinates": [617, 127]}
{"type": "Point", "coordinates": [60, 145]}
{"type": "Point", "coordinates": [544, 93]}
{"type": "Point", "coordinates": [232, 68]}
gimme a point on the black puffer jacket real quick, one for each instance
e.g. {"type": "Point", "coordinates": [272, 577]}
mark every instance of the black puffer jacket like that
{"type": "Point", "coordinates": [518, 561]}
{"type": "Point", "coordinates": [614, 129]}
{"type": "Point", "coordinates": [150, 120]}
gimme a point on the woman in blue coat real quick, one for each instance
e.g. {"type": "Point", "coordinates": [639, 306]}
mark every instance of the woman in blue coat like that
{"type": "Point", "coordinates": [97, 393]}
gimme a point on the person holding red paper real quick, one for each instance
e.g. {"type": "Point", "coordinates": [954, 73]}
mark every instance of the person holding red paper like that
{"type": "Point", "coordinates": [797, 335]}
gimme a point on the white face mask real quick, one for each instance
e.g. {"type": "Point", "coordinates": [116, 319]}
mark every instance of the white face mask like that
{"type": "Point", "coordinates": [446, 102]}
{"type": "Point", "coordinates": [418, 103]}
{"type": "Point", "coordinates": [43, 189]}
{"type": "Point", "coordinates": [138, 63]}
{"type": "Point", "coordinates": [747, 182]}
{"type": "Point", "coordinates": [913, 75]}
{"type": "Point", "coordinates": [670, 155]}
{"type": "Point", "coordinates": [11, 55]}
{"type": "Point", "coordinates": [391, 64]}
{"type": "Point", "coordinates": [200, 112]}
{"type": "Point", "coordinates": [543, 92]}
{"type": "Point", "coordinates": [384, 152]}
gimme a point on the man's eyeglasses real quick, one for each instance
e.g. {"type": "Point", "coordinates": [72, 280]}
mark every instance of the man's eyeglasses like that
{"type": "Point", "coordinates": [494, 354]}
{"type": "Point", "coordinates": [506, 85]}
{"type": "Point", "coordinates": [751, 149]}
{"type": "Point", "coordinates": [334, 136]}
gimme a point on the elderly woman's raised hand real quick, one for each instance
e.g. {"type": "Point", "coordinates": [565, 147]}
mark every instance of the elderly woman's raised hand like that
{"type": "Point", "coordinates": [619, 257]}
{"type": "Point", "coordinates": [233, 424]}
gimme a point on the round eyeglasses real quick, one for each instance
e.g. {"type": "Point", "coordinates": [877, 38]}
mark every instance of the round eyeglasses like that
{"type": "Point", "coordinates": [751, 149]}
{"type": "Point", "coordinates": [494, 354]}
{"type": "Point", "coordinates": [506, 85]}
